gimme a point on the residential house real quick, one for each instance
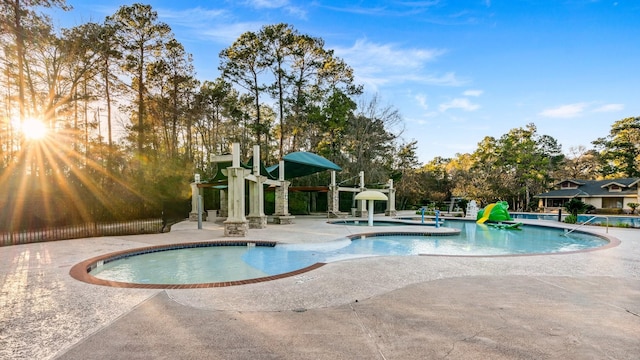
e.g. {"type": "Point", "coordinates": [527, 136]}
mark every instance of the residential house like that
{"type": "Point", "coordinates": [602, 194]}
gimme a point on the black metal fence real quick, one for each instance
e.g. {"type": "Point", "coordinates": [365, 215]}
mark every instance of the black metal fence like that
{"type": "Point", "coordinates": [94, 229]}
{"type": "Point", "coordinates": [127, 222]}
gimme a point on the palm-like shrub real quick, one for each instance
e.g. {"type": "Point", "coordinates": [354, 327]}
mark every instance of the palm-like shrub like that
{"type": "Point", "coordinates": [574, 207]}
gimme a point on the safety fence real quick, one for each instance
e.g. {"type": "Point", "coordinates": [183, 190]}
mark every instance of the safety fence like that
{"type": "Point", "coordinates": [16, 230]}
{"type": "Point", "coordinates": [93, 229]}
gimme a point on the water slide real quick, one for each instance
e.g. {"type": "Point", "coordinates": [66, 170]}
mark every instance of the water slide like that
{"type": "Point", "coordinates": [486, 213]}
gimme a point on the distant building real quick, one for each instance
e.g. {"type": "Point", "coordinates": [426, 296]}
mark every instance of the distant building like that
{"type": "Point", "coordinates": [602, 194]}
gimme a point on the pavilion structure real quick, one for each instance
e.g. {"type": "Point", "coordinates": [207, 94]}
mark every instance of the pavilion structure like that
{"type": "Point", "coordinates": [232, 178]}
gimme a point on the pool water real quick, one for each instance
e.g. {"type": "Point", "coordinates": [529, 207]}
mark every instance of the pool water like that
{"type": "Point", "coordinates": [398, 222]}
{"type": "Point", "coordinates": [232, 263]}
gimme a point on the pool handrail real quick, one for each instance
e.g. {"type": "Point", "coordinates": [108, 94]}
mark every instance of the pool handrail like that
{"type": "Point", "coordinates": [586, 222]}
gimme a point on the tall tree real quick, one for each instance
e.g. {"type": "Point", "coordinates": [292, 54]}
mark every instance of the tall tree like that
{"type": "Point", "coordinates": [322, 84]}
{"type": "Point", "coordinates": [140, 36]}
{"type": "Point", "coordinates": [516, 166]}
{"type": "Point", "coordinates": [173, 78]}
{"type": "Point", "coordinates": [278, 42]}
{"type": "Point", "coordinates": [107, 49]}
{"type": "Point", "coordinates": [408, 180]}
{"type": "Point", "coordinates": [620, 150]}
{"type": "Point", "coordinates": [580, 163]}
{"type": "Point", "coordinates": [241, 64]}
{"type": "Point", "coordinates": [369, 139]}
{"type": "Point", "coordinates": [13, 15]}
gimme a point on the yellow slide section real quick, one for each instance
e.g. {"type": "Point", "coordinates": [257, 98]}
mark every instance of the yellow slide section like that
{"type": "Point", "coordinates": [487, 212]}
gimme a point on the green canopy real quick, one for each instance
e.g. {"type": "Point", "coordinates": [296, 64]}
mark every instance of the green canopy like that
{"type": "Point", "coordinates": [302, 163]}
{"type": "Point", "coordinates": [296, 164]}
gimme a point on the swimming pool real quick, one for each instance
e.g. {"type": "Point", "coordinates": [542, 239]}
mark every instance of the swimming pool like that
{"type": "Point", "coordinates": [593, 219]}
{"type": "Point", "coordinates": [395, 222]}
{"type": "Point", "coordinates": [224, 263]}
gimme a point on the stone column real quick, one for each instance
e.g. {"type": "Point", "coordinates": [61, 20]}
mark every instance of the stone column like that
{"type": "Point", "coordinates": [361, 205]}
{"type": "Point", "coordinates": [236, 223]}
{"type": "Point", "coordinates": [391, 203]}
{"type": "Point", "coordinates": [193, 214]}
{"type": "Point", "coordinates": [333, 197]}
{"type": "Point", "coordinates": [282, 215]}
{"type": "Point", "coordinates": [257, 218]}
{"type": "Point", "coordinates": [224, 205]}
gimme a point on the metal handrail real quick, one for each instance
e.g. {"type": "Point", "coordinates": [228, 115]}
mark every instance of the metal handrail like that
{"type": "Point", "coordinates": [586, 222]}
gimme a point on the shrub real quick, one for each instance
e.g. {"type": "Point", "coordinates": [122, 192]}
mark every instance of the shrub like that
{"type": "Point", "coordinates": [609, 211]}
{"type": "Point", "coordinates": [575, 206]}
{"type": "Point", "coordinates": [571, 219]}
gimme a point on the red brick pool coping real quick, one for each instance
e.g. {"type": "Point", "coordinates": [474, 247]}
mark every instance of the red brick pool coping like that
{"type": "Point", "coordinates": [82, 270]}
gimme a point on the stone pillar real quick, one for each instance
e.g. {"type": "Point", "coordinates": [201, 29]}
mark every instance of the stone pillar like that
{"type": "Point", "coordinates": [282, 215]}
{"type": "Point", "coordinates": [224, 205]}
{"type": "Point", "coordinates": [333, 197]}
{"type": "Point", "coordinates": [391, 203]}
{"type": "Point", "coordinates": [193, 214]}
{"type": "Point", "coordinates": [236, 223]}
{"type": "Point", "coordinates": [361, 205]}
{"type": "Point", "coordinates": [257, 218]}
{"type": "Point", "coordinates": [472, 210]}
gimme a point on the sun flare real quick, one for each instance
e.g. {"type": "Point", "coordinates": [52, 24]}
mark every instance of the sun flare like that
{"type": "Point", "coordinates": [34, 129]}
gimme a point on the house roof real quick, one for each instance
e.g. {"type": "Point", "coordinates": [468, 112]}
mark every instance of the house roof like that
{"type": "Point", "coordinates": [594, 188]}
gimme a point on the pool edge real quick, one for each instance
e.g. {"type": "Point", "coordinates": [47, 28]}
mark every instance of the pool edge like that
{"type": "Point", "coordinates": [80, 270]}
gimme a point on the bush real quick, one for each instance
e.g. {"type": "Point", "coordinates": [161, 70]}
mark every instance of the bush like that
{"type": "Point", "coordinates": [571, 219]}
{"type": "Point", "coordinates": [575, 206]}
{"type": "Point", "coordinates": [609, 211]}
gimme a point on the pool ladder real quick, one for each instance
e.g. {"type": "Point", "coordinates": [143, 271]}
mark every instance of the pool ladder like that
{"type": "Point", "coordinates": [566, 233]}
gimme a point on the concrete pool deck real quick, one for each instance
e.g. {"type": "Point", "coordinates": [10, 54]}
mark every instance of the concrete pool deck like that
{"type": "Point", "coordinates": [568, 306]}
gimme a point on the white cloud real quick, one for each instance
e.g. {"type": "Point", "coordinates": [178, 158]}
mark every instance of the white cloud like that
{"type": "Point", "coordinates": [422, 101]}
{"type": "Point", "coordinates": [377, 64]}
{"type": "Point", "coordinates": [192, 17]}
{"type": "Point", "coordinates": [390, 55]}
{"type": "Point", "coordinates": [277, 4]}
{"type": "Point", "coordinates": [226, 34]}
{"type": "Point", "coordinates": [475, 93]}
{"type": "Point", "coordinates": [609, 108]}
{"type": "Point", "coordinates": [565, 111]}
{"type": "Point", "coordinates": [459, 103]}
{"type": "Point", "coordinates": [207, 24]}
{"type": "Point", "coordinates": [267, 4]}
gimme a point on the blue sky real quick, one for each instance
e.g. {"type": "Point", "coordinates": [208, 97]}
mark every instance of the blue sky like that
{"type": "Point", "coordinates": [456, 70]}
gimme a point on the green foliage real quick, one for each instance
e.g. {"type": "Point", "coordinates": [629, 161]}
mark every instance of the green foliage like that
{"type": "Point", "coordinates": [620, 150]}
{"type": "Point", "coordinates": [575, 206]}
{"type": "Point", "coordinates": [571, 219]}
{"type": "Point", "coordinates": [514, 167]}
{"type": "Point", "coordinates": [633, 207]}
{"type": "Point", "coordinates": [609, 211]}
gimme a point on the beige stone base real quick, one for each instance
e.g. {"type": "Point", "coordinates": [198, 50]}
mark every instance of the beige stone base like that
{"type": "Point", "coordinates": [257, 222]}
{"type": "Point", "coordinates": [283, 219]}
{"type": "Point", "coordinates": [236, 228]}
